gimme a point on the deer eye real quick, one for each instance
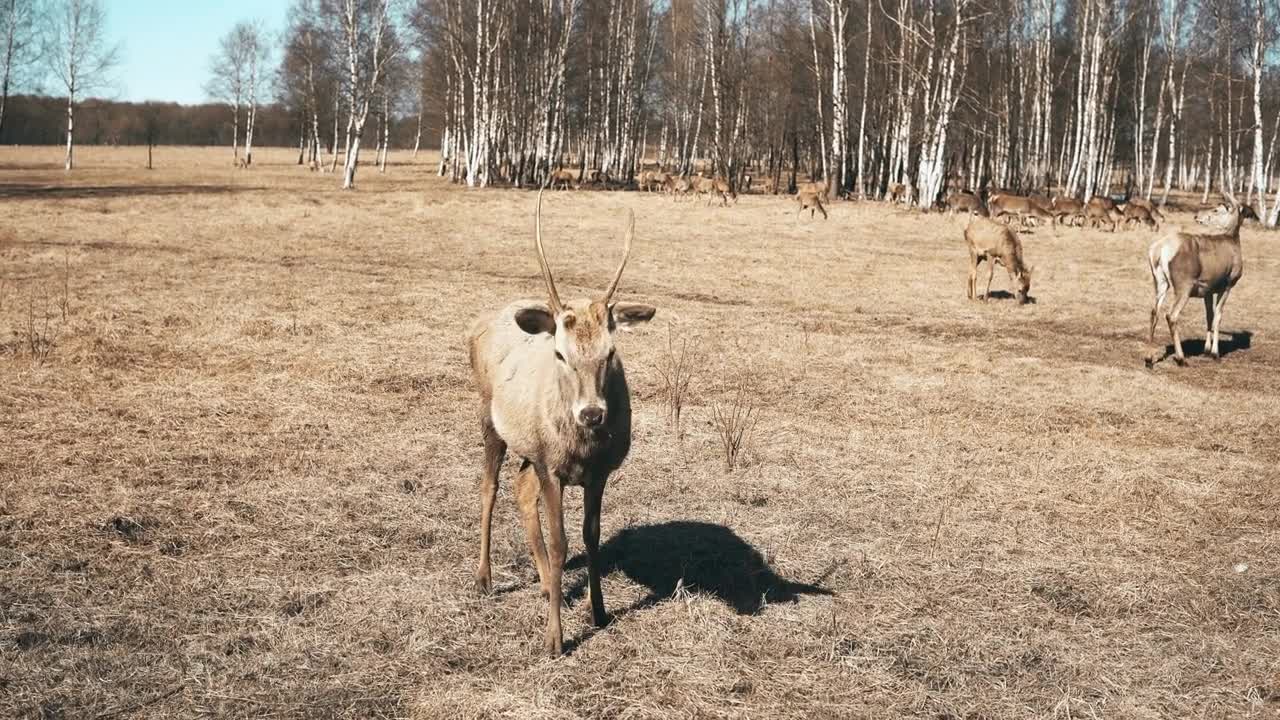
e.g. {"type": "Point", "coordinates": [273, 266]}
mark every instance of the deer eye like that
{"type": "Point", "coordinates": [559, 356]}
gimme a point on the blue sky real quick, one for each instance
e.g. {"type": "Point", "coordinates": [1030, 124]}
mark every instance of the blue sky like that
{"type": "Point", "coordinates": [166, 44]}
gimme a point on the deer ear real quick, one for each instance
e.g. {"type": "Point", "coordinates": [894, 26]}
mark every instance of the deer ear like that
{"type": "Point", "coordinates": [628, 314]}
{"type": "Point", "coordinates": [535, 321]}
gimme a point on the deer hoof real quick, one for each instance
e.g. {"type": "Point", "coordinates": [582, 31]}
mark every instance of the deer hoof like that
{"type": "Point", "coordinates": [552, 646]}
{"type": "Point", "coordinates": [484, 583]}
{"type": "Point", "coordinates": [1215, 356]}
{"type": "Point", "coordinates": [1182, 362]}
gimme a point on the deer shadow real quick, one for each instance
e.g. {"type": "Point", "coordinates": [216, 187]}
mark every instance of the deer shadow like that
{"type": "Point", "coordinates": [700, 557]}
{"type": "Point", "coordinates": [34, 191]}
{"type": "Point", "coordinates": [1238, 340]}
{"type": "Point", "coordinates": [1006, 295]}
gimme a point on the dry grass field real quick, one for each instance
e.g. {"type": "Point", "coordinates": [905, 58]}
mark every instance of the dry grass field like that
{"type": "Point", "coordinates": [239, 460]}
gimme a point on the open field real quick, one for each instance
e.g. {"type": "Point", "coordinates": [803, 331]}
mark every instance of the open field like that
{"type": "Point", "coordinates": [239, 461]}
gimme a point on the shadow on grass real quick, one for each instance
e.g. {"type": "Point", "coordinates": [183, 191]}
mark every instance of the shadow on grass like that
{"type": "Point", "coordinates": [30, 191]}
{"type": "Point", "coordinates": [1227, 344]}
{"type": "Point", "coordinates": [1006, 295]}
{"type": "Point", "coordinates": [702, 558]}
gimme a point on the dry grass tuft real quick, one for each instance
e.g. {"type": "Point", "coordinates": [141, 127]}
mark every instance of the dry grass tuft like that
{"type": "Point", "coordinates": [242, 480]}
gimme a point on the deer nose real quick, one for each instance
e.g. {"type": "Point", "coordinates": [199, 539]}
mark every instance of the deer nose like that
{"type": "Point", "coordinates": [591, 416]}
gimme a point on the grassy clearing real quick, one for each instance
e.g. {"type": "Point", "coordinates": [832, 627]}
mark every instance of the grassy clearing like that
{"type": "Point", "coordinates": [242, 479]}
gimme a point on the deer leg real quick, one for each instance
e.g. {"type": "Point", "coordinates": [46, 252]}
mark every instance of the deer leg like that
{"type": "Point", "coordinates": [1219, 303]}
{"type": "Point", "coordinates": [592, 501]}
{"type": "Point", "coordinates": [991, 264]}
{"type": "Point", "coordinates": [1181, 296]}
{"type": "Point", "coordinates": [552, 496]}
{"type": "Point", "coordinates": [495, 449]}
{"type": "Point", "coordinates": [1208, 324]}
{"type": "Point", "coordinates": [527, 491]}
{"type": "Point", "coordinates": [824, 212]}
{"type": "Point", "coordinates": [971, 288]}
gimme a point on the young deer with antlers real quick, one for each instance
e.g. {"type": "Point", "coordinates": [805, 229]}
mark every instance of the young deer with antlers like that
{"type": "Point", "coordinates": [553, 390]}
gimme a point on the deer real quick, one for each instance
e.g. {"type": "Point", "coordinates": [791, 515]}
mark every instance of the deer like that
{"type": "Point", "coordinates": [1186, 265]}
{"type": "Point", "coordinates": [717, 186]}
{"type": "Point", "coordinates": [1004, 207]}
{"type": "Point", "coordinates": [900, 193]}
{"type": "Point", "coordinates": [1151, 207]}
{"type": "Point", "coordinates": [996, 243]}
{"type": "Point", "coordinates": [1065, 208]}
{"type": "Point", "coordinates": [553, 391]}
{"type": "Point", "coordinates": [961, 200]}
{"type": "Point", "coordinates": [811, 201]}
{"type": "Point", "coordinates": [1101, 209]}
{"type": "Point", "coordinates": [680, 187]}
{"type": "Point", "coordinates": [562, 177]}
{"type": "Point", "coordinates": [1142, 214]}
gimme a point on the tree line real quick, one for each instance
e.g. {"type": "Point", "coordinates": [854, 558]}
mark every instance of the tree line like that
{"type": "Point", "coordinates": [1076, 96]}
{"type": "Point", "coordinates": [1083, 97]}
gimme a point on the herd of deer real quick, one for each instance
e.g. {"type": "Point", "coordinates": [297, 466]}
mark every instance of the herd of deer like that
{"type": "Point", "coordinates": [553, 389]}
{"type": "Point", "coordinates": [1060, 210]}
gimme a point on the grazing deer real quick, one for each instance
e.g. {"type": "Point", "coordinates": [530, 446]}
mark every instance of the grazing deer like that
{"type": "Point", "coordinates": [996, 243]}
{"type": "Point", "coordinates": [553, 390]}
{"type": "Point", "coordinates": [1135, 213]}
{"type": "Point", "coordinates": [1101, 209]}
{"type": "Point", "coordinates": [1006, 207]}
{"type": "Point", "coordinates": [811, 201]}
{"type": "Point", "coordinates": [1066, 209]}
{"type": "Point", "coordinates": [1196, 265]}
{"type": "Point", "coordinates": [1156, 215]}
{"type": "Point", "coordinates": [964, 201]}
{"type": "Point", "coordinates": [681, 187]}
{"type": "Point", "coordinates": [716, 187]}
{"type": "Point", "coordinates": [562, 177]}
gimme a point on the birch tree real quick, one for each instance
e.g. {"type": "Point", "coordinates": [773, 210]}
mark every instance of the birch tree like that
{"type": "Point", "coordinates": [367, 30]}
{"type": "Point", "coordinates": [229, 79]}
{"type": "Point", "coordinates": [19, 47]}
{"type": "Point", "coordinates": [78, 54]}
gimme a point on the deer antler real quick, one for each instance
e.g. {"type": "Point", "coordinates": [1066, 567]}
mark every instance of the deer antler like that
{"type": "Point", "coordinates": [554, 297]}
{"type": "Point", "coordinates": [626, 253]}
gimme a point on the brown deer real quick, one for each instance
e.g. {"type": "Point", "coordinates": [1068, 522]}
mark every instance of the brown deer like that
{"type": "Point", "coordinates": [811, 201]}
{"type": "Point", "coordinates": [1067, 209]}
{"type": "Point", "coordinates": [553, 390]}
{"type": "Point", "coordinates": [1006, 207]}
{"type": "Point", "coordinates": [1135, 213]}
{"type": "Point", "coordinates": [1185, 265]}
{"type": "Point", "coordinates": [967, 202]}
{"type": "Point", "coordinates": [1102, 210]}
{"type": "Point", "coordinates": [900, 193]}
{"type": "Point", "coordinates": [1151, 207]}
{"type": "Point", "coordinates": [562, 177]}
{"type": "Point", "coordinates": [995, 243]}
{"type": "Point", "coordinates": [716, 187]}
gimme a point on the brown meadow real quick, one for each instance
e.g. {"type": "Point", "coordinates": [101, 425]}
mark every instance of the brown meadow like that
{"type": "Point", "coordinates": [239, 460]}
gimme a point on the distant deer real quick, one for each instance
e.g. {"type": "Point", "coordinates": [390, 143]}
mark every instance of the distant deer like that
{"type": "Point", "coordinates": [1135, 213]}
{"type": "Point", "coordinates": [900, 193]}
{"type": "Point", "coordinates": [1065, 209]}
{"type": "Point", "coordinates": [1196, 265]}
{"type": "Point", "coordinates": [716, 187]}
{"type": "Point", "coordinates": [1006, 207]}
{"type": "Point", "coordinates": [562, 177]}
{"type": "Point", "coordinates": [967, 202]}
{"type": "Point", "coordinates": [811, 201]}
{"type": "Point", "coordinates": [1102, 209]}
{"type": "Point", "coordinates": [995, 243]}
{"type": "Point", "coordinates": [553, 390]}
